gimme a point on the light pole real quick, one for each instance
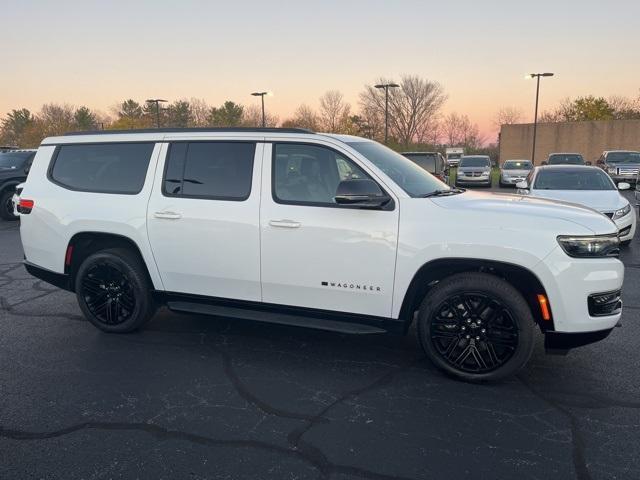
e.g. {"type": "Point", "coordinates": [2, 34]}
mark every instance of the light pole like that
{"type": "Point", "coordinates": [386, 87]}
{"type": "Point", "coordinates": [157, 101]}
{"type": "Point", "coordinates": [535, 116]}
{"type": "Point", "coordinates": [261, 95]}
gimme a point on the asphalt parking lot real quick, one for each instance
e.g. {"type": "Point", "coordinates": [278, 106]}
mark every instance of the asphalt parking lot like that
{"type": "Point", "coordinates": [198, 397]}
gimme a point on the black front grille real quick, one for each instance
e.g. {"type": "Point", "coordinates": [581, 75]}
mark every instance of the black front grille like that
{"type": "Point", "coordinates": [603, 304]}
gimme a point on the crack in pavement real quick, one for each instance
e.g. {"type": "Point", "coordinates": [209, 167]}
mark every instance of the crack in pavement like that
{"type": "Point", "coordinates": [161, 433]}
{"type": "Point", "coordinates": [243, 391]}
{"type": "Point", "coordinates": [7, 307]}
{"type": "Point", "coordinates": [295, 436]}
{"type": "Point", "coordinates": [577, 440]}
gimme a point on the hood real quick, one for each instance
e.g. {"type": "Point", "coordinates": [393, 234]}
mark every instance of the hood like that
{"type": "Point", "coordinates": [531, 209]}
{"type": "Point", "coordinates": [601, 200]}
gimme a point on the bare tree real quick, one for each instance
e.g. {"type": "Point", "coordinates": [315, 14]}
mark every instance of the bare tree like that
{"type": "Point", "coordinates": [459, 131]}
{"type": "Point", "coordinates": [334, 112]}
{"type": "Point", "coordinates": [56, 119]}
{"type": "Point", "coordinates": [508, 116]}
{"type": "Point", "coordinates": [253, 117]}
{"type": "Point", "coordinates": [199, 111]}
{"type": "Point", "coordinates": [411, 107]}
{"type": "Point", "coordinates": [304, 117]}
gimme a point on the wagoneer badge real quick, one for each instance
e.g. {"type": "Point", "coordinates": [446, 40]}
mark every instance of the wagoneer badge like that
{"type": "Point", "coordinates": [352, 286]}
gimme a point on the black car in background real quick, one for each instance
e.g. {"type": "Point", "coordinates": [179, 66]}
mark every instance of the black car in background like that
{"type": "Point", "coordinates": [14, 167]}
{"type": "Point", "coordinates": [432, 162]}
{"type": "Point", "coordinates": [565, 159]}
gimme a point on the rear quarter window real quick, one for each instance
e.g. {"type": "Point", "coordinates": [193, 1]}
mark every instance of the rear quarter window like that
{"type": "Point", "coordinates": [118, 168]}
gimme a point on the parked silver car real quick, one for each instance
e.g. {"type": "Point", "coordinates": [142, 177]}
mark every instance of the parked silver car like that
{"type": "Point", "coordinates": [514, 171]}
{"type": "Point", "coordinates": [474, 170]}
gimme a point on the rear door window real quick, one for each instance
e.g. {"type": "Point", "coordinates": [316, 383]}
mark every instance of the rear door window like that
{"type": "Point", "coordinates": [213, 170]}
{"type": "Point", "coordinates": [102, 168]}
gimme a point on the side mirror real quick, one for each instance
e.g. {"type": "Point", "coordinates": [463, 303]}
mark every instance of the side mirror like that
{"type": "Point", "coordinates": [522, 185]}
{"type": "Point", "coordinates": [588, 163]}
{"type": "Point", "coordinates": [362, 193]}
{"type": "Point", "coordinates": [624, 186]}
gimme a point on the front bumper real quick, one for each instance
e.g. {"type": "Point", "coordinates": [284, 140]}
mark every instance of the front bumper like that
{"type": "Point", "coordinates": [627, 224]}
{"type": "Point", "coordinates": [511, 180]}
{"type": "Point", "coordinates": [570, 281]}
{"type": "Point", "coordinates": [473, 180]}
{"type": "Point", "coordinates": [561, 342]}
{"type": "Point", "coordinates": [631, 178]}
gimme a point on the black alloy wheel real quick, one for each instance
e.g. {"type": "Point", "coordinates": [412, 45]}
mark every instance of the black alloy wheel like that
{"type": "Point", "coordinates": [476, 327]}
{"type": "Point", "coordinates": [474, 332]}
{"type": "Point", "coordinates": [114, 291]}
{"type": "Point", "coordinates": [6, 205]}
{"type": "Point", "coordinates": [108, 293]}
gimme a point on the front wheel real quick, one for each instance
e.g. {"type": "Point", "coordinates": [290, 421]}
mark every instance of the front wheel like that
{"type": "Point", "coordinates": [6, 205]}
{"type": "Point", "coordinates": [113, 291]}
{"type": "Point", "coordinates": [476, 327]}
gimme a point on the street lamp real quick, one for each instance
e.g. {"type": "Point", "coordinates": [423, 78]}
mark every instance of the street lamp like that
{"type": "Point", "coordinates": [157, 101]}
{"type": "Point", "coordinates": [386, 87]}
{"type": "Point", "coordinates": [535, 117]}
{"type": "Point", "coordinates": [261, 95]}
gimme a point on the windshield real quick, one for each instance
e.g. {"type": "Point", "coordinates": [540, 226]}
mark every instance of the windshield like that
{"type": "Point", "coordinates": [623, 157]}
{"type": "Point", "coordinates": [10, 160]}
{"type": "Point", "coordinates": [474, 162]}
{"type": "Point", "coordinates": [424, 160]}
{"type": "Point", "coordinates": [517, 165]}
{"type": "Point", "coordinates": [415, 181]}
{"type": "Point", "coordinates": [454, 156]}
{"type": "Point", "coordinates": [565, 159]}
{"type": "Point", "coordinates": [588, 179]}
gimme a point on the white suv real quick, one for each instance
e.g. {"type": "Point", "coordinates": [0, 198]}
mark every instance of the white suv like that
{"type": "Point", "coordinates": [325, 231]}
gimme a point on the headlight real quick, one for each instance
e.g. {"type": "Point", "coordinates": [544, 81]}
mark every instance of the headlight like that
{"type": "Point", "coordinates": [486, 173]}
{"type": "Point", "coordinates": [596, 246]}
{"type": "Point", "coordinates": [611, 170]}
{"type": "Point", "coordinates": [622, 212]}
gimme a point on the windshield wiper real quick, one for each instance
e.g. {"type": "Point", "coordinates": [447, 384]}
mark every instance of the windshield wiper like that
{"type": "Point", "coordinates": [442, 193]}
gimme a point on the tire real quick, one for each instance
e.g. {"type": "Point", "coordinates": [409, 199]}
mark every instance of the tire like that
{"type": "Point", "coordinates": [6, 205]}
{"type": "Point", "coordinates": [487, 337]}
{"type": "Point", "coordinates": [113, 291]}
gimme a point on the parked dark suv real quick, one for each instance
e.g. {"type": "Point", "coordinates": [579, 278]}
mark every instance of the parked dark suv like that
{"type": "Point", "coordinates": [432, 162]}
{"type": "Point", "coordinates": [14, 167]}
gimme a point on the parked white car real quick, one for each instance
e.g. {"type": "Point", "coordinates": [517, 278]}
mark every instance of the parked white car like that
{"type": "Point", "coordinates": [317, 230]}
{"type": "Point", "coordinates": [15, 200]}
{"type": "Point", "coordinates": [514, 171]}
{"type": "Point", "coordinates": [589, 186]}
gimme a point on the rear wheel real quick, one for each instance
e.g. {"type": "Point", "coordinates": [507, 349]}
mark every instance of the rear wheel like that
{"type": "Point", "coordinates": [6, 205]}
{"type": "Point", "coordinates": [476, 327]}
{"type": "Point", "coordinates": [113, 291]}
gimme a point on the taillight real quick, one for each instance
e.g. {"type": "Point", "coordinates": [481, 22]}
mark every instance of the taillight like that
{"type": "Point", "coordinates": [25, 206]}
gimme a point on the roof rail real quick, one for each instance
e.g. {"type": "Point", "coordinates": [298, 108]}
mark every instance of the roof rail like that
{"type": "Point", "coordinates": [188, 130]}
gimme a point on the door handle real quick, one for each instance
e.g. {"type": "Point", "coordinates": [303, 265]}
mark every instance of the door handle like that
{"type": "Point", "coordinates": [284, 223]}
{"type": "Point", "coordinates": [168, 215]}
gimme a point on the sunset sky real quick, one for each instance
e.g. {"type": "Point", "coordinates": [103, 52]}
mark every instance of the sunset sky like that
{"type": "Point", "coordinates": [97, 53]}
